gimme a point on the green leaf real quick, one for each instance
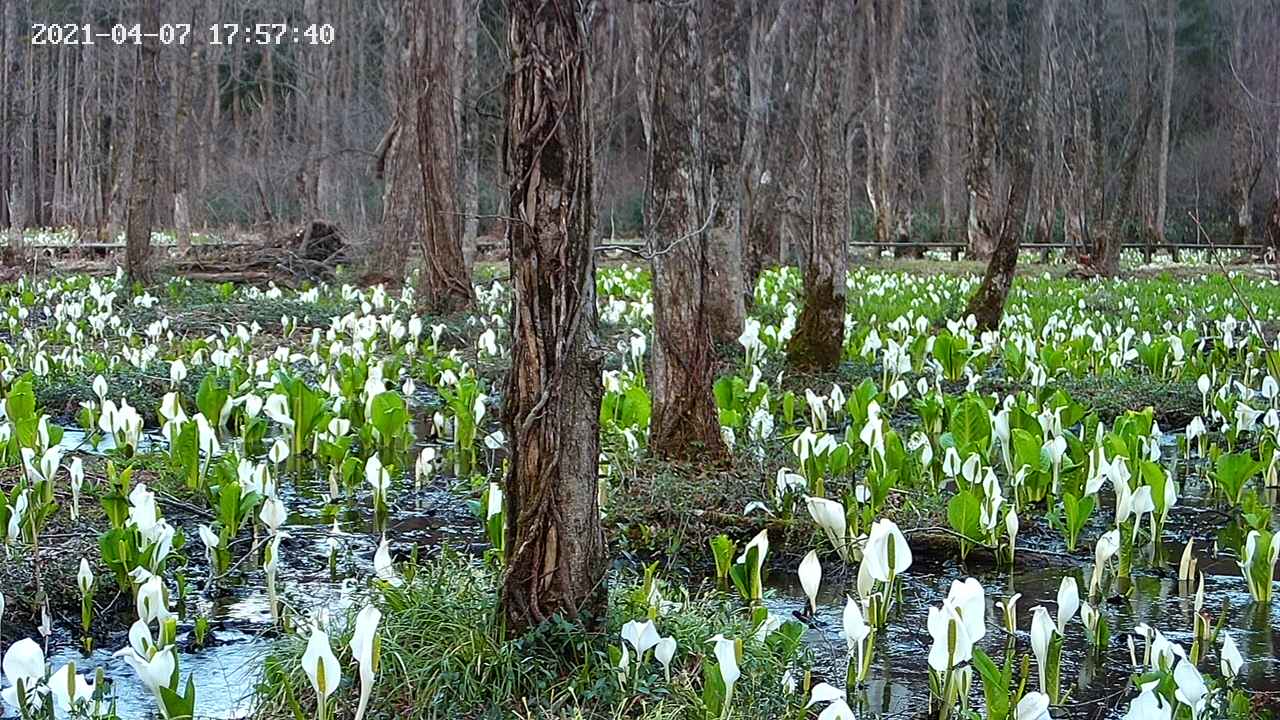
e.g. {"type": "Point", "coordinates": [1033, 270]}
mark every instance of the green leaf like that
{"type": "Point", "coordinates": [713, 690]}
{"type": "Point", "coordinates": [971, 427]}
{"type": "Point", "coordinates": [389, 415]}
{"type": "Point", "coordinates": [180, 707]}
{"type": "Point", "coordinates": [995, 685]}
{"type": "Point", "coordinates": [723, 549]}
{"type": "Point", "coordinates": [1077, 512]}
{"type": "Point", "coordinates": [1232, 471]}
{"type": "Point", "coordinates": [964, 514]}
{"type": "Point", "coordinates": [210, 398]}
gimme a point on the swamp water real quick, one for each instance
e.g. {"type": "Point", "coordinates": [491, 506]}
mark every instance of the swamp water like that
{"type": "Point", "coordinates": [229, 665]}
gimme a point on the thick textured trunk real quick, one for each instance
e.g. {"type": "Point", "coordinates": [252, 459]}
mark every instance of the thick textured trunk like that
{"type": "Point", "coordinates": [446, 284]}
{"type": "Point", "coordinates": [679, 215]}
{"type": "Point", "coordinates": [146, 146]}
{"type": "Point", "coordinates": [401, 199]}
{"type": "Point", "coordinates": [982, 234]}
{"type": "Point", "coordinates": [182, 222]}
{"type": "Point", "coordinates": [885, 27]}
{"type": "Point", "coordinates": [818, 341]}
{"type": "Point", "coordinates": [397, 154]}
{"type": "Point", "coordinates": [556, 558]}
{"type": "Point", "coordinates": [721, 57]}
{"type": "Point", "coordinates": [987, 303]}
{"type": "Point", "coordinates": [759, 216]}
{"type": "Point", "coordinates": [1243, 175]}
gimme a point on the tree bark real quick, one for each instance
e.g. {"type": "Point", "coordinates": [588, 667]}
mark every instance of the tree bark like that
{"type": "Point", "coordinates": [721, 146]}
{"type": "Point", "coordinates": [948, 56]}
{"type": "Point", "coordinates": [556, 547]}
{"type": "Point", "coordinates": [1166, 106]}
{"type": "Point", "coordinates": [982, 231]}
{"type": "Point", "coordinates": [1109, 242]}
{"type": "Point", "coordinates": [470, 127]}
{"type": "Point", "coordinates": [396, 159]}
{"type": "Point", "coordinates": [146, 146]}
{"type": "Point", "coordinates": [759, 211]}
{"type": "Point", "coordinates": [680, 213]}
{"type": "Point", "coordinates": [885, 27]}
{"type": "Point", "coordinates": [1026, 100]}
{"type": "Point", "coordinates": [446, 283]}
{"type": "Point", "coordinates": [1246, 162]}
{"type": "Point", "coordinates": [818, 342]}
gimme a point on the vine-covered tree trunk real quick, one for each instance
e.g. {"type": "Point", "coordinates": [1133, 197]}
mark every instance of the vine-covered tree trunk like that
{"type": "Point", "coordinates": [551, 410]}
{"type": "Point", "coordinates": [446, 279]}
{"type": "Point", "coordinates": [818, 341]}
{"type": "Point", "coordinates": [679, 214]}
{"type": "Point", "coordinates": [146, 144]}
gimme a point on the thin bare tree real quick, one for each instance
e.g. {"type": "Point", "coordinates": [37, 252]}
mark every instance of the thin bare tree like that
{"type": "Point", "coordinates": [147, 145]}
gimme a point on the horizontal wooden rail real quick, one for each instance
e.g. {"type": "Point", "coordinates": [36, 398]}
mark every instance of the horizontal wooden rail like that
{"type": "Point", "coordinates": [1253, 247]}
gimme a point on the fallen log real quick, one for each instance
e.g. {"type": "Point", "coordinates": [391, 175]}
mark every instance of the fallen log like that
{"type": "Point", "coordinates": [312, 253]}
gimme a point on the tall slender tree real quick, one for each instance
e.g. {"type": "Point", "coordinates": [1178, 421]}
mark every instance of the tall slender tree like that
{"type": "Point", "coordinates": [818, 341]}
{"type": "Point", "coordinates": [759, 192]}
{"type": "Point", "coordinates": [555, 545]}
{"type": "Point", "coordinates": [1166, 119]}
{"type": "Point", "coordinates": [446, 279]}
{"type": "Point", "coordinates": [686, 191]}
{"type": "Point", "coordinates": [1012, 74]}
{"type": "Point", "coordinates": [718, 79]}
{"type": "Point", "coordinates": [147, 146]}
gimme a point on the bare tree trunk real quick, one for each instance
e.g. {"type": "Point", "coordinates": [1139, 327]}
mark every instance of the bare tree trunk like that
{"type": "Point", "coordinates": [1042, 208]}
{"type": "Point", "coordinates": [721, 141]}
{"type": "Point", "coordinates": [1025, 101]}
{"type": "Point", "coordinates": [1108, 243]}
{"type": "Point", "coordinates": [1246, 155]}
{"type": "Point", "coordinates": [556, 547]}
{"type": "Point", "coordinates": [470, 161]}
{"type": "Point", "coordinates": [885, 27]}
{"type": "Point", "coordinates": [818, 341]}
{"type": "Point", "coordinates": [446, 284]}
{"type": "Point", "coordinates": [759, 216]}
{"type": "Point", "coordinates": [8, 144]}
{"type": "Point", "coordinates": [982, 233]}
{"type": "Point", "coordinates": [182, 222]}
{"type": "Point", "coordinates": [396, 158]}
{"type": "Point", "coordinates": [146, 146]}
{"type": "Point", "coordinates": [679, 214]}
{"type": "Point", "coordinates": [947, 90]}
{"type": "Point", "coordinates": [1166, 105]}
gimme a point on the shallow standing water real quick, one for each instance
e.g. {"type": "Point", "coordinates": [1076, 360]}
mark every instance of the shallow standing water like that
{"type": "Point", "coordinates": [229, 665]}
{"type": "Point", "coordinates": [1096, 687]}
